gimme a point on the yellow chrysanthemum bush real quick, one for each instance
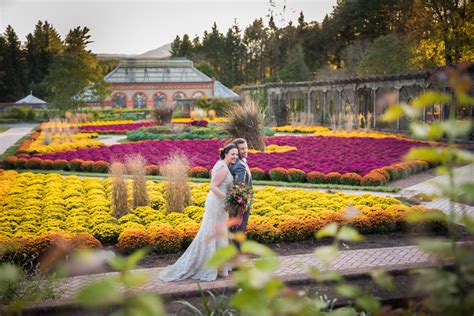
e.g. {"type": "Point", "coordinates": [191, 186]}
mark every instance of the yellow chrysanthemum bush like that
{"type": "Point", "coordinates": [33, 205]}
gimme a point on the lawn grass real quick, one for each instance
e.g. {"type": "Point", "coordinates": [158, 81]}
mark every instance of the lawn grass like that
{"type": "Point", "coordinates": [4, 128]}
{"type": "Point", "coordinates": [256, 182]}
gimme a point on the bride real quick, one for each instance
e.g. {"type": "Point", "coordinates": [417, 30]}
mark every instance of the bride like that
{"type": "Point", "coordinates": [213, 231]}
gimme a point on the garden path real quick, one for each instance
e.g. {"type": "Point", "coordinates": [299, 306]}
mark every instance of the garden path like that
{"type": "Point", "coordinates": [292, 268]}
{"type": "Point", "coordinates": [462, 175]}
{"type": "Point", "coordinates": [111, 139]}
{"type": "Point", "coordinates": [13, 134]}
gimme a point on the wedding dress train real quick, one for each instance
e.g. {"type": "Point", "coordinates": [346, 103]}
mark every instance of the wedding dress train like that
{"type": "Point", "coordinates": [211, 235]}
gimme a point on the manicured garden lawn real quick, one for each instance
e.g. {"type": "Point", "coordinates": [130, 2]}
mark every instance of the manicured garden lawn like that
{"type": "Point", "coordinates": [4, 128]}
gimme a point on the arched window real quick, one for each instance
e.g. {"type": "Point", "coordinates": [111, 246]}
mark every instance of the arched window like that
{"type": "Point", "coordinates": [139, 101]}
{"type": "Point", "coordinates": [197, 95]}
{"type": "Point", "coordinates": [178, 96]}
{"type": "Point", "coordinates": [159, 99]}
{"type": "Point", "coordinates": [120, 100]}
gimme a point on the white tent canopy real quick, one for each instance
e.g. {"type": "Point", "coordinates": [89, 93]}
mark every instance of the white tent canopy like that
{"type": "Point", "coordinates": [30, 99]}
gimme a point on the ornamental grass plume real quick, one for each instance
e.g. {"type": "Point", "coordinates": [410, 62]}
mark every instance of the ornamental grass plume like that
{"type": "Point", "coordinates": [177, 191]}
{"type": "Point", "coordinates": [119, 190]}
{"type": "Point", "coordinates": [136, 165]}
{"type": "Point", "coordinates": [246, 121]}
{"type": "Point", "coordinates": [162, 114]}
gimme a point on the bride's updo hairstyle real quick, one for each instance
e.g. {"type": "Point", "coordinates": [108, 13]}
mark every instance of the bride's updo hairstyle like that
{"type": "Point", "coordinates": [226, 150]}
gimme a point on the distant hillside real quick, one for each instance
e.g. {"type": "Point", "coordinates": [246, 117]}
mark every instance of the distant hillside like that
{"type": "Point", "coordinates": [115, 56]}
{"type": "Point", "coordinates": [160, 52]}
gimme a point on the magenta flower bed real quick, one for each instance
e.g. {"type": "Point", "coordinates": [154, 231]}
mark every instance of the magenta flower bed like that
{"type": "Point", "coordinates": [117, 128]}
{"type": "Point", "coordinates": [315, 153]}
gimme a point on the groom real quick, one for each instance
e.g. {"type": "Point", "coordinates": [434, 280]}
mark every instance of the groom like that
{"type": "Point", "coordinates": [241, 171]}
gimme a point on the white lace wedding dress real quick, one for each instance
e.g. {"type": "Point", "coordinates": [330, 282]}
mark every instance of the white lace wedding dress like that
{"type": "Point", "coordinates": [192, 263]}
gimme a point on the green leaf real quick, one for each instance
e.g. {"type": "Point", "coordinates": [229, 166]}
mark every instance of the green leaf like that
{"type": "Point", "coordinates": [344, 311]}
{"type": "Point", "coordinates": [326, 254]}
{"type": "Point", "coordinates": [429, 98]}
{"type": "Point", "coordinates": [266, 263]}
{"type": "Point", "coordinates": [119, 263]}
{"type": "Point", "coordinates": [258, 279]}
{"type": "Point", "coordinates": [249, 302]}
{"type": "Point", "coordinates": [467, 191]}
{"type": "Point", "coordinates": [222, 256]}
{"type": "Point", "coordinates": [465, 99]}
{"type": "Point", "coordinates": [438, 246]}
{"type": "Point", "coordinates": [8, 273]}
{"type": "Point", "coordinates": [99, 294]}
{"type": "Point", "coordinates": [423, 153]}
{"type": "Point", "coordinates": [347, 233]}
{"type": "Point", "coordinates": [456, 128]}
{"type": "Point", "coordinates": [383, 279]}
{"type": "Point", "coordinates": [462, 156]}
{"type": "Point", "coordinates": [324, 276]}
{"type": "Point", "coordinates": [393, 113]}
{"type": "Point", "coordinates": [368, 303]}
{"type": "Point", "coordinates": [148, 304]}
{"type": "Point", "coordinates": [327, 231]}
{"type": "Point", "coordinates": [134, 279]}
{"type": "Point", "coordinates": [416, 216]}
{"type": "Point", "coordinates": [252, 247]}
{"type": "Point", "coordinates": [432, 131]}
{"type": "Point", "coordinates": [347, 290]}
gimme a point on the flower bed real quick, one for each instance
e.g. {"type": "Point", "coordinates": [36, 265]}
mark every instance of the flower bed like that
{"type": "Point", "coordinates": [38, 205]}
{"type": "Point", "coordinates": [326, 131]}
{"type": "Point", "coordinates": [58, 142]}
{"type": "Point", "coordinates": [300, 129]}
{"type": "Point", "coordinates": [114, 128]}
{"type": "Point", "coordinates": [365, 161]}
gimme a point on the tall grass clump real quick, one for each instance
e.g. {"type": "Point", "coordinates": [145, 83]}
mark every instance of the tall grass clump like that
{"type": "Point", "coordinates": [177, 191]}
{"type": "Point", "coordinates": [119, 190]}
{"type": "Point", "coordinates": [246, 121]}
{"type": "Point", "coordinates": [136, 165]}
{"type": "Point", "coordinates": [162, 114]}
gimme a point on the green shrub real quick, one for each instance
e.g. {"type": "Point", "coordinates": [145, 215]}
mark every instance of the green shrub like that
{"type": "Point", "coordinates": [278, 174]}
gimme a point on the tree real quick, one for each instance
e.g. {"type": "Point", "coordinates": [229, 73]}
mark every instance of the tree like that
{"type": "Point", "coordinates": [186, 47]}
{"type": "Point", "coordinates": [14, 67]}
{"type": "Point", "coordinates": [233, 57]}
{"type": "Point", "coordinates": [75, 75]}
{"type": "Point", "coordinates": [386, 55]}
{"type": "Point", "coordinates": [175, 47]}
{"type": "Point", "coordinates": [453, 20]}
{"type": "Point", "coordinates": [296, 69]}
{"type": "Point", "coordinates": [212, 45]}
{"type": "Point", "coordinates": [41, 47]}
{"type": "Point", "coordinates": [255, 38]}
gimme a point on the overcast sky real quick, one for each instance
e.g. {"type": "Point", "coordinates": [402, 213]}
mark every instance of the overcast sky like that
{"type": "Point", "coordinates": [134, 27]}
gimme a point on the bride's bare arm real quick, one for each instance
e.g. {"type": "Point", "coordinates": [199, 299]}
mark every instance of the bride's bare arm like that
{"type": "Point", "coordinates": [216, 180]}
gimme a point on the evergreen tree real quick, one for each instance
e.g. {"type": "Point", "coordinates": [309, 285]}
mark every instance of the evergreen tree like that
{"type": "Point", "coordinates": [212, 44]}
{"type": "Point", "coordinates": [75, 74]}
{"type": "Point", "coordinates": [175, 47]}
{"type": "Point", "coordinates": [233, 57]}
{"type": "Point", "coordinates": [296, 68]}
{"type": "Point", "coordinates": [387, 48]}
{"type": "Point", "coordinates": [186, 47]}
{"type": "Point", "coordinates": [41, 47]}
{"type": "Point", "coordinates": [14, 67]}
{"type": "Point", "coordinates": [256, 39]}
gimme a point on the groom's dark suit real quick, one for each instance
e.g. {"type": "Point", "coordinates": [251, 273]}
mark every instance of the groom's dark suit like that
{"type": "Point", "coordinates": [241, 171]}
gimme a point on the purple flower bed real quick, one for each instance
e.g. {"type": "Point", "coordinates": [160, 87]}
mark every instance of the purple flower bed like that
{"type": "Point", "coordinates": [315, 153]}
{"type": "Point", "coordinates": [116, 128]}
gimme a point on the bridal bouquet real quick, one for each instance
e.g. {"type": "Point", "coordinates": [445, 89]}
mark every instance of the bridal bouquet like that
{"type": "Point", "coordinates": [237, 198]}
